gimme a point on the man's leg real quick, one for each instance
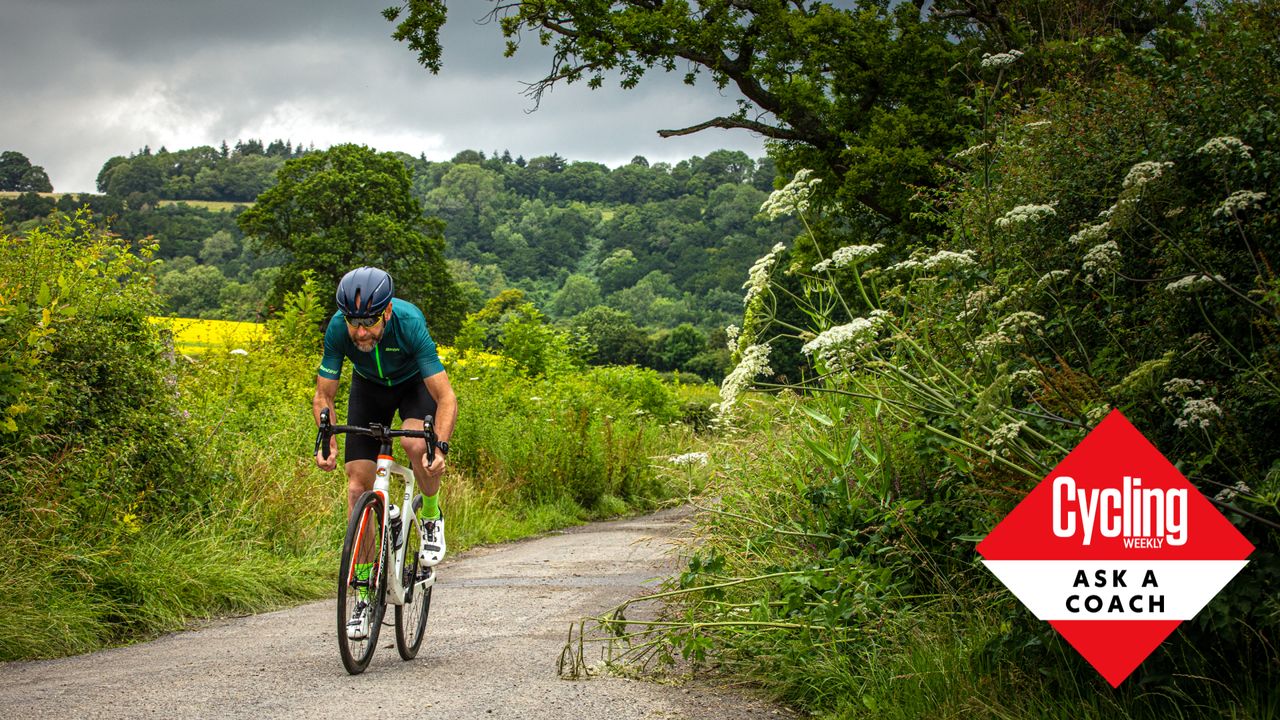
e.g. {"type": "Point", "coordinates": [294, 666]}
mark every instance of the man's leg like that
{"type": "Point", "coordinates": [359, 481]}
{"type": "Point", "coordinates": [414, 448]}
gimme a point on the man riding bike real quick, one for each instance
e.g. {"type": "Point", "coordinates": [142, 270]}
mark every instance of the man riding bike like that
{"type": "Point", "coordinates": [396, 368]}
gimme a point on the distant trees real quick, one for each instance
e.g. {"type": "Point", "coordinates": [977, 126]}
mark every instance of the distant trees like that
{"type": "Point", "coordinates": [18, 174]}
{"type": "Point", "coordinates": [349, 206]}
{"type": "Point", "coordinates": [200, 173]}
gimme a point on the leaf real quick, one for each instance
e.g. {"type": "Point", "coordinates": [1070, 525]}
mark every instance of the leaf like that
{"type": "Point", "coordinates": [816, 415]}
{"type": "Point", "coordinates": [970, 538]}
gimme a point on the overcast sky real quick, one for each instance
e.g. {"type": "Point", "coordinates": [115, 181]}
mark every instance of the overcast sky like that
{"type": "Point", "coordinates": [83, 80]}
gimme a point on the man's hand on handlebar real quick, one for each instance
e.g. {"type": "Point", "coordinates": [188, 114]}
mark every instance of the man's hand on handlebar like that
{"type": "Point", "coordinates": [332, 462]}
{"type": "Point", "coordinates": [435, 468]}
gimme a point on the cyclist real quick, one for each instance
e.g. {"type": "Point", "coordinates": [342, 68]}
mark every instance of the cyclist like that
{"type": "Point", "coordinates": [396, 368]}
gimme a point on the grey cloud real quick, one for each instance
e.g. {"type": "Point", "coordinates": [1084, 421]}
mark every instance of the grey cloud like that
{"type": "Point", "coordinates": [96, 79]}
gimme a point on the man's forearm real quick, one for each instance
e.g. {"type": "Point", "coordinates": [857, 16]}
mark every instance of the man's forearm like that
{"type": "Point", "coordinates": [321, 400]}
{"type": "Point", "coordinates": [446, 415]}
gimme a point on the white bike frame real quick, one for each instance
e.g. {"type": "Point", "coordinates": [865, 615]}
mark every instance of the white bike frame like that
{"type": "Point", "coordinates": [387, 466]}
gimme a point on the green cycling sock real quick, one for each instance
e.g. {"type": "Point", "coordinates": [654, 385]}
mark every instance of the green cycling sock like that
{"type": "Point", "coordinates": [431, 507]}
{"type": "Point", "coordinates": [363, 570]}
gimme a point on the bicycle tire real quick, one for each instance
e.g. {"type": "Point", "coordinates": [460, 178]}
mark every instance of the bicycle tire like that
{"type": "Point", "coordinates": [411, 617]}
{"type": "Point", "coordinates": [365, 530]}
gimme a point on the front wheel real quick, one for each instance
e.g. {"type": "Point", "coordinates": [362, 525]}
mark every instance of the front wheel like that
{"type": "Point", "coordinates": [362, 584]}
{"type": "Point", "coordinates": [411, 617]}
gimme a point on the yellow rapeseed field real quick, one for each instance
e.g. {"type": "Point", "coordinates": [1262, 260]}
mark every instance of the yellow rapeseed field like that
{"type": "Point", "coordinates": [191, 336]}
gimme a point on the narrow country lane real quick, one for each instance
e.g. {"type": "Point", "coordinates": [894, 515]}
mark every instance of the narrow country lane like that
{"type": "Point", "coordinates": [498, 620]}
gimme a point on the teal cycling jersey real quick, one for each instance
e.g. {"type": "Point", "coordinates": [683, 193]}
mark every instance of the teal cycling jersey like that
{"type": "Point", "coordinates": [405, 351]}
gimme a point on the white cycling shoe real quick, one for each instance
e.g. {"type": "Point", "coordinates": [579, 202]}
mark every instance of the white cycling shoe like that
{"type": "Point", "coordinates": [433, 547]}
{"type": "Point", "coordinates": [358, 625]}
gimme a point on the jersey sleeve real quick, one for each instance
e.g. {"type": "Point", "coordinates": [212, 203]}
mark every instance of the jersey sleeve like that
{"type": "Point", "coordinates": [331, 363]}
{"type": "Point", "coordinates": [424, 350]}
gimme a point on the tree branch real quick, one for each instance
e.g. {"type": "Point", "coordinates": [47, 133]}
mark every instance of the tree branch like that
{"type": "Point", "coordinates": [728, 123]}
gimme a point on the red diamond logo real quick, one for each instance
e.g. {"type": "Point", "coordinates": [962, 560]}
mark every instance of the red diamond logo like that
{"type": "Point", "coordinates": [1115, 548]}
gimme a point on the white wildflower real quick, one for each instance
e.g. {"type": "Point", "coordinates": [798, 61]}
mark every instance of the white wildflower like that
{"type": "Point", "coordinates": [1052, 276]}
{"type": "Point", "coordinates": [1091, 233]}
{"type": "Point", "coordinates": [1026, 213]}
{"type": "Point", "coordinates": [1145, 172]}
{"type": "Point", "coordinates": [1225, 147]}
{"type": "Point", "coordinates": [1028, 378]}
{"type": "Point", "coordinates": [844, 342]}
{"type": "Point", "coordinates": [1193, 283]}
{"type": "Point", "coordinates": [974, 150]}
{"type": "Point", "coordinates": [792, 198]}
{"type": "Point", "coordinates": [1097, 414]}
{"type": "Point", "coordinates": [758, 275]}
{"type": "Point", "coordinates": [693, 458]}
{"type": "Point", "coordinates": [1038, 123]}
{"type": "Point", "coordinates": [1000, 59]}
{"type": "Point", "coordinates": [848, 254]}
{"type": "Point", "coordinates": [1021, 322]}
{"type": "Point", "coordinates": [1006, 434]}
{"type": "Point", "coordinates": [1101, 259]}
{"type": "Point", "coordinates": [1182, 386]}
{"type": "Point", "coordinates": [905, 265]}
{"type": "Point", "coordinates": [1238, 201]}
{"type": "Point", "coordinates": [944, 260]}
{"type": "Point", "coordinates": [1229, 494]}
{"type": "Point", "coordinates": [1198, 413]}
{"type": "Point", "coordinates": [755, 361]}
{"type": "Point", "coordinates": [977, 301]}
{"type": "Point", "coordinates": [731, 335]}
{"type": "Point", "coordinates": [239, 351]}
{"type": "Point", "coordinates": [990, 343]}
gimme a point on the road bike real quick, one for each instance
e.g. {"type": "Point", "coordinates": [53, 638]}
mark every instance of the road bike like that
{"type": "Point", "coordinates": [376, 568]}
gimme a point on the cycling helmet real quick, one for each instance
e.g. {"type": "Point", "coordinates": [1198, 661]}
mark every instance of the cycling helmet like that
{"type": "Point", "coordinates": [364, 292]}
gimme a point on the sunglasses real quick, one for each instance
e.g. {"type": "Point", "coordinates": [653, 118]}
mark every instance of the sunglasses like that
{"type": "Point", "coordinates": [364, 322]}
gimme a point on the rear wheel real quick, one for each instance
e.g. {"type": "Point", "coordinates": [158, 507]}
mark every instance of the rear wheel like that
{"type": "Point", "coordinates": [411, 617]}
{"type": "Point", "coordinates": [362, 583]}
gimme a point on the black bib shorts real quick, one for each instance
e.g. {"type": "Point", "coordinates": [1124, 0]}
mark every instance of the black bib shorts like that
{"type": "Point", "coordinates": [370, 402]}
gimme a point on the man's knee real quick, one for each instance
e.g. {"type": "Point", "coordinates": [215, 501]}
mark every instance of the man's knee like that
{"type": "Point", "coordinates": [413, 447]}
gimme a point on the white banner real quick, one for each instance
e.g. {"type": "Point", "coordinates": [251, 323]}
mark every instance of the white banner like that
{"type": "Point", "coordinates": [1115, 590]}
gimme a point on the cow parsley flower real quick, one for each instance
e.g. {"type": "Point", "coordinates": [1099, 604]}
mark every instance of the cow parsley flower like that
{"type": "Point", "coordinates": [754, 362]}
{"type": "Point", "coordinates": [1025, 213]}
{"type": "Point", "coordinates": [731, 336]}
{"type": "Point", "coordinates": [944, 260]}
{"type": "Point", "coordinates": [1239, 201]}
{"type": "Point", "coordinates": [1090, 233]}
{"type": "Point", "coordinates": [1052, 276]}
{"type": "Point", "coordinates": [843, 342]}
{"type": "Point", "coordinates": [1182, 386]}
{"type": "Point", "coordinates": [758, 275]}
{"type": "Point", "coordinates": [1104, 258]}
{"type": "Point", "coordinates": [1225, 147]}
{"type": "Point", "coordinates": [792, 198]}
{"type": "Point", "coordinates": [693, 458]}
{"type": "Point", "coordinates": [1006, 434]}
{"type": "Point", "coordinates": [1198, 414]}
{"type": "Point", "coordinates": [999, 60]}
{"type": "Point", "coordinates": [1143, 173]}
{"type": "Point", "coordinates": [848, 254]}
{"type": "Point", "coordinates": [1193, 283]}
{"type": "Point", "coordinates": [1019, 323]}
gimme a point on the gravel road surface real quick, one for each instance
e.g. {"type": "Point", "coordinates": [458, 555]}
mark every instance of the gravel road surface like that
{"type": "Point", "coordinates": [499, 618]}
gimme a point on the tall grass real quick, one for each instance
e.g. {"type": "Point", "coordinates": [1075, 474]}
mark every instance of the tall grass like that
{"type": "Point", "coordinates": [141, 489]}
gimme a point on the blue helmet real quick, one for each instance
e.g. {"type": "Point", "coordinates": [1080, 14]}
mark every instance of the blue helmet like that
{"type": "Point", "coordinates": [364, 292]}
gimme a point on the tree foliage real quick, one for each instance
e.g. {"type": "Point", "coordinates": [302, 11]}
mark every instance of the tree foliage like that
{"type": "Point", "coordinates": [350, 206]}
{"type": "Point", "coordinates": [866, 95]}
{"type": "Point", "coordinates": [18, 174]}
